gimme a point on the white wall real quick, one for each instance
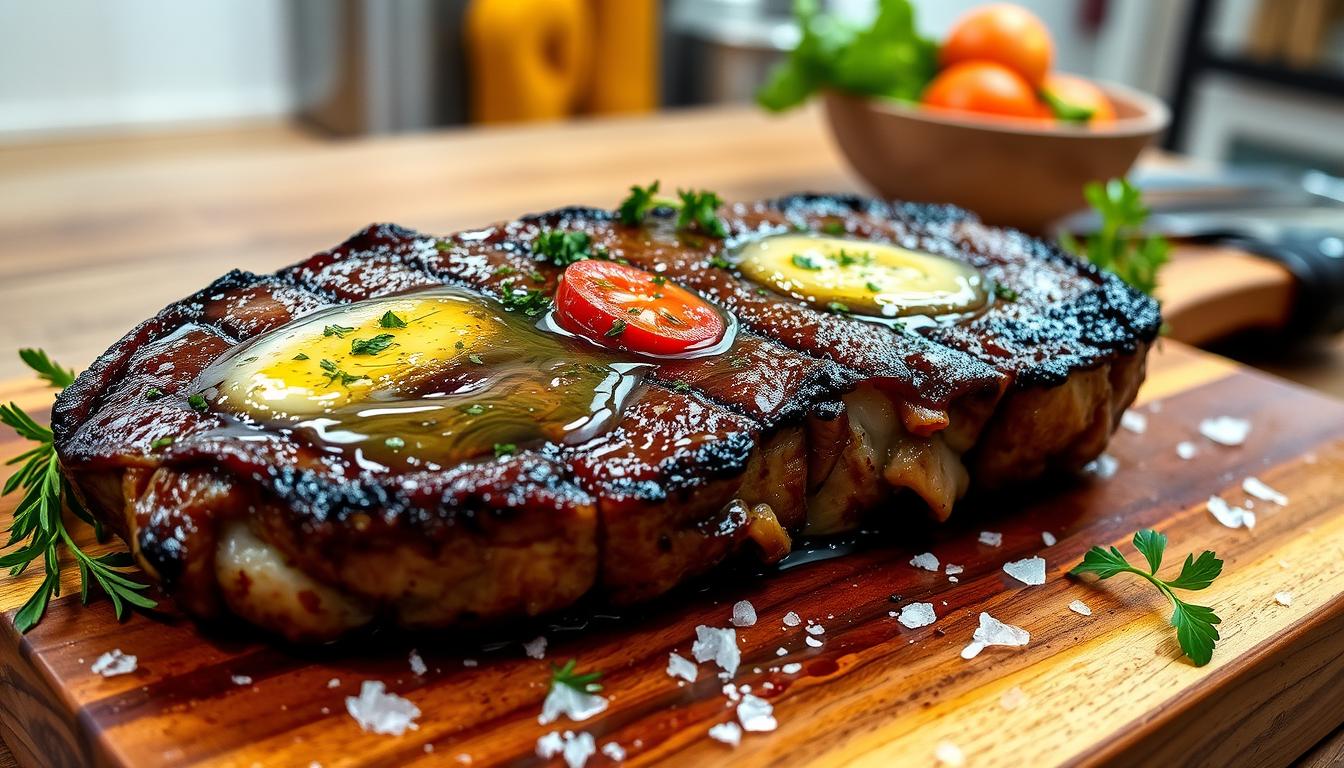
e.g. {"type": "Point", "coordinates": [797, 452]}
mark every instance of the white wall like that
{"type": "Point", "coordinates": [84, 64]}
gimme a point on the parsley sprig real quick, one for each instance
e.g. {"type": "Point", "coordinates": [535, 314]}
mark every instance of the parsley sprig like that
{"type": "Point", "coordinates": [562, 248]}
{"type": "Point", "coordinates": [530, 301]}
{"type": "Point", "coordinates": [39, 530]}
{"type": "Point", "coordinates": [1120, 245]}
{"type": "Point", "coordinates": [568, 675]}
{"type": "Point", "coordinates": [696, 209]}
{"type": "Point", "coordinates": [1194, 623]}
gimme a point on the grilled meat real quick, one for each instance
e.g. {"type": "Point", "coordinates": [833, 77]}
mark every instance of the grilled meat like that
{"type": "Point", "coordinates": [809, 422]}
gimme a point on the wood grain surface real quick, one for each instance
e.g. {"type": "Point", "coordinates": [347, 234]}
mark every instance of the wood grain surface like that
{"type": "Point", "coordinates": [1110, 688]}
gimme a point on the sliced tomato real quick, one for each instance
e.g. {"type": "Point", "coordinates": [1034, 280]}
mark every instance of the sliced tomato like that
{"type": "Point", "coordinates": [622, 307]}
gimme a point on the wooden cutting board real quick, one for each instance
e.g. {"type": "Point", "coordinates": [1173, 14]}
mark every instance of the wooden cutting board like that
{"type": "Point", "coordinates": [1110, 688]}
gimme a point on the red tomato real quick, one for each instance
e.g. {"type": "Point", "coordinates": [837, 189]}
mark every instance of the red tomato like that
{"type": "Point", "coordinates": [622, 307]}
{"type": "Point", "coordinates": [982, 86]}
{"type": "Point", "coordinates": [1004, 33]}
{"type": "Point", "coordinates": [1078, 92]}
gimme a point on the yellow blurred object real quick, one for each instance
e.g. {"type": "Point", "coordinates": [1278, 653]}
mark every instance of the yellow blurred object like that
{"type": "Point", "coordinates": [547, 59]}
{"type": "Point", "coordinates": [625, 58]}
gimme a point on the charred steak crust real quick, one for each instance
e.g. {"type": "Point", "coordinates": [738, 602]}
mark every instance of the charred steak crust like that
{"type": "Point", "coordinates": [706, 431]}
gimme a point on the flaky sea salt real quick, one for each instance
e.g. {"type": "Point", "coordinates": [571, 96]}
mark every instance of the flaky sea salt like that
{"type": "Point", "coordinates": [535, 648]}
{"type": "Point", "coordinates": [1078, 606]}
{"type": "Point", "coordinates": [756, 714]}
{"type": "Point", "coordinates": [812, 641]}
{"type": "Point", "coordinates": [1259, 490]}
{"type": "Point", "coordinates": [781, 651]}
{"type": "Point", "coordinates": [1048, 538]}
{"type": "Point", "coordinates": [614, 751]}
{"type": "Point", "coordinates": [1225, 430]}
{"type": "Point", "coordinates": [1230, 516]}
{"type": "Point", "coordinates": [953, 570]}
{"type": "Point", "coordinates": [815, 629]}
{"type": "Point", "coordinates": [418, 667]}
{"type": "Point", "coordinates": [792, 619]}
{"type": "Point", "coordinates": [927, 561]}
{"type": "Point", "coordinates": [994, 632]}
{"type": "Point", "coordinates": [991, 538]}
{"type": "Point", "coordinates": [1134, 422]}
{"type": "Point", "coordinates": [681, 667]}
{"type": "Point", "coordinates": [550, 745]}
{"type": "Point", "coordinates": [949, 754]}
{"type": "Point", "coordinates": [1283, 598]}
{"type": "Point", "coordinates": [791, 668]}
{"type": "Point", "coordinates": [1103, 467]}
{"type": "Point", "coordinates": [334, 682]}
{"type": "Point", "coordinates": [569, 701]}
{"type": "Point", "coordinates": [1030, 571]}
{"type": "Point", "coordinates": [744, 614]}
{"type": "Point", "coordinates": [1186, 450]}
{"type": "Point", "coordinates": [916, 615]}
{"type": "Point", "coordinates": [729, 733]}
{"type": "Point", "coordinates": [114, 663]}
{"type": "Point", "coordinates": [717, 645]}
{"type": "Point", "coordinates": [1012, 698]}
{"type": "Point", "coordinates": [381, 712]}
{"type": "Point", "coordinates": [241, 680]}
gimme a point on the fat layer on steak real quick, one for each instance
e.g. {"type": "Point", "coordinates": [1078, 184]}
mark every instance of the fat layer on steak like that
{"type": "Point", "coordinates": [811, 421]}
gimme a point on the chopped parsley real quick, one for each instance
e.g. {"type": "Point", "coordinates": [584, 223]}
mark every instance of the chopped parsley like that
{"type": "Point", "coordinates": [371, 346]}
{"type": "Point", "coordinates": [300, 356]}
{"type": "Point", "coordinates": [198, 403]}
{"type": "Point", "coordinates": [475, 358]}
{"type": "Point", "coordinates": [1194, 624]}
{"type": "Point", "coordinates": [617, 328]}
{"type": "Point", "coordinates": [334, 374]}
{"type": "Point", "coordinates": [475, 409]}
{"type": "Point", "coordinates": [1005, 293]}
{"type": "Point", "coordinates": [658, 280]}
{"type": "Point", "coordinates": [803, 261]}
{"type": "Point", "coordinates": [847, 258]}
{"type": "Point", "coordinates": [504, 449]}
{"type": "Point", "coordinates": [561, 247]}
{"type": "Point", "coordinates": [153, 393]}
{"type": "Point", "coordinates": [537, 277]}
{"type": "Point", "coordinates": [529, 301]}
{"type": "Point", "coordinates": [720, 262]}
{"type": "Point", "coordinates": [338, 331]}
{"type": "Point", "coordinates": [838, 307]}
{"type": "Point", "coordinates": [391, 320]}
{"type": "Point", "coordinates": [504, 269]}
{"type": "Point", "coordinates": [696, 209]}
{"type": "Point", "coordinates": [874, 287]}
{"type": "Point", "coordinates": [162, 442]}
{"type": "Point", "coordinates": [680, 387]}
{"type": "Point", "coordinates": [833, 228]}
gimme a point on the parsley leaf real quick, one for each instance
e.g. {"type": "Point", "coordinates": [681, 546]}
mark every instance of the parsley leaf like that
{"type": "Point", "coordinates": [38, 529]}
{"type": "Point", "coordinates": [529, 301]}
{"type": "Point", "coordinates": [338, 331]}
{"type": "Point", "coordinates": [391, 320]}
{"type": "Point", "coordinates": [803, 261]}
{"type": "Point", "coordinates": [504, 449]}
{"type": "Point", "coordinates": [371, 346]}
{"type": "Point", "coordinates": [334, 374]}
{"type": "Point", "coordinates": [1195, 624]}
{"type": "Point", "coordinates": [1120, 246]}
{"type": "Point", "coordinates": [617, 328]}
{"type": "Point", "coordinates": [562, 248]}
{"type": "Point", "coordinates": [697, 209]}
{"type": "Point", "coordinates": [1005, 293]}
{"type": "Point", "coordinates": [198, 403]}
{"type": "Point", "coordinates": [567, 675]}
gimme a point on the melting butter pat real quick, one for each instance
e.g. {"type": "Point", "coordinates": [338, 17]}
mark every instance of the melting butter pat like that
{"type": "Point", "coordinates": [863, 277]}
{"type": "Point", "coordinates": [346, 355]}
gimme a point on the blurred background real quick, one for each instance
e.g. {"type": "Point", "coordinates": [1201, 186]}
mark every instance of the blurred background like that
{"type": "Point", "coordinates": [1248, 80]}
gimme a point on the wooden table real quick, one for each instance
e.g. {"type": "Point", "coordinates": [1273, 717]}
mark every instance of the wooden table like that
{"type": "Point", "coordinates": [89, 247]}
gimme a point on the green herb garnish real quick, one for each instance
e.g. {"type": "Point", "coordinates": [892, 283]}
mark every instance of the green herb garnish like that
{"type": "Point", "coordinates": [371, 346]}
{"type": "Point", "coordinates": [391, 320]}
{"type": "Point", "coordinates": [504, 449]}
{"type": "Point", "coordinates": [1194, 623]}
{"type": "Point", "coordinates": [720, 262]}
{"type": "Point", "coordinates": [162, 442]}
{"type": "Point", "coordinates": [833, 228]}
{"type": "Point", "coordinates": [475, 358]}
{"type": "Point", "coordinates": [846, 259]}
{"type": "Point", "coordinates": [198, 403]}
{"type": "Point", "coordinates": [658, 280]}
{"type": "Point", "coordinates": [153, 393]}
{"type": "Point", "coordinates": [338, 331]}
{"type": "Point", "coordinates": [567, 675]}
{"type": "Point", "coordinates": [529, 301]}
{"type": "Point", "coordinates": [1004, 293]}
{"type": "Point", "coordinates": [873, 287]}
{"type": "Point", "coordinates": [680, 387]}
{"type": "Point", "coordinates": [667, 315]}
{"type": "Point", "coordinates": [696, 209]}
{"type": "Point", "coordinates": [475, 409]}
{"type": "Point", "coordinates": [334, 374]}
{"type": "Point", "coordinates": [300, 356]}
{"type": "Point", "coordinates": [38, 529]}
{"type": "Point", "coordinates": [887, 59]}
{"type": "Point", "coordinates": [394, 443]}
{"type": "Point", "coordinates": [1120, 246]}
{"type": "Point", "coordinates": [838, 307]}
{"type": "Point", "coordinates": [617, 328]}
{"type": "Point", "coordinates": [803, 261]}
{"type": "Point", "coordinates": [561, 247]}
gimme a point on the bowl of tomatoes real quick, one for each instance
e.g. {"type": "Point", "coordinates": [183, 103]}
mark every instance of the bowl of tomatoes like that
{"type": "Point", "coordinates": [978, 119]}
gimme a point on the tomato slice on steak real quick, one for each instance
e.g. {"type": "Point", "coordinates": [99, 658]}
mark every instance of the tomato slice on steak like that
{"type": "Point", "coordinates": [623, 307]}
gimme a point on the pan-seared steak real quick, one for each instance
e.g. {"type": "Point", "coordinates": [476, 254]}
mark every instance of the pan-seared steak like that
{"type": "Point", "coordinates": [810, 419]}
